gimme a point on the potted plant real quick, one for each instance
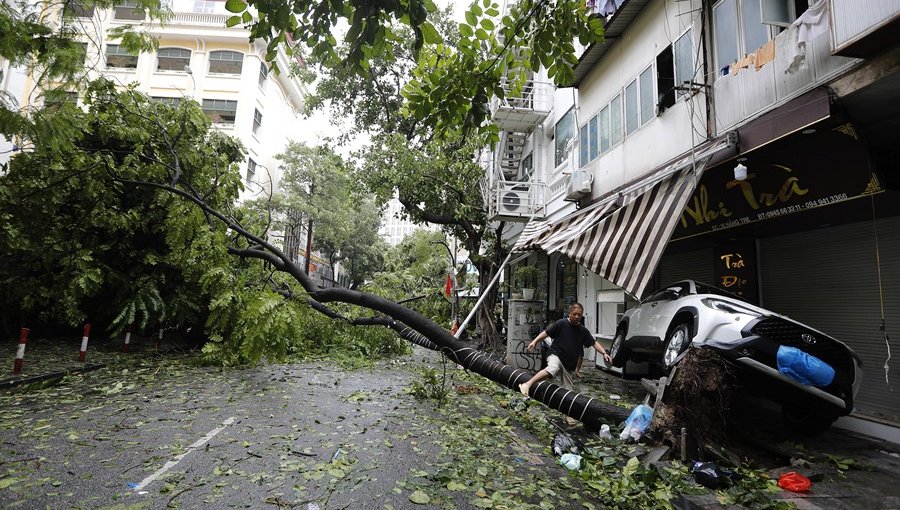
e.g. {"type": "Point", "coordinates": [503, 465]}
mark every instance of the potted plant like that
{"type": "Point", "coordinates": [526, 277]}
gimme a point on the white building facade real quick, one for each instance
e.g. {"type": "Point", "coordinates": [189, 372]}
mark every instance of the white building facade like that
{"type": "Point", "coordinates": [200, 58]}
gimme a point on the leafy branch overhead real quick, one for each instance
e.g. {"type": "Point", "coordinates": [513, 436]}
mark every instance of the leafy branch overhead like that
{"type": "Point", "coordinates": [452, 83]}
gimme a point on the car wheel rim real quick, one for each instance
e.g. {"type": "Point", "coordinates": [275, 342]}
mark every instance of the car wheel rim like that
{"type": "Point", "coordinates": [614, 348]}
{"type": "Point", "coordinates": [674, 347]}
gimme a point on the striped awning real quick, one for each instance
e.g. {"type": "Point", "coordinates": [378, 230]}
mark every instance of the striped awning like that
{"type": "Point", "coordinates": [622, 235]}
{"type": "Point", "coordinates": [625, 246]}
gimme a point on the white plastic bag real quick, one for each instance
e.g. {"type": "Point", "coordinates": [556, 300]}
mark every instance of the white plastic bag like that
{"type": "Point", "coordinates": [571, 461]}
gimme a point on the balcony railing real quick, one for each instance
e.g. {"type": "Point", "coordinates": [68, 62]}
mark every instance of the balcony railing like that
{"type": "Point", "coordinates": [525, 109]}
{"type": "Point", "coordinates": [199, 18]}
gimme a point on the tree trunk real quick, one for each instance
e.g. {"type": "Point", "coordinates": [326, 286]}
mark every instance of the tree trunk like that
{"type": "Point", "coordinates": [309, 232]}
{"type": "Point", "coordinates": [485, 315]}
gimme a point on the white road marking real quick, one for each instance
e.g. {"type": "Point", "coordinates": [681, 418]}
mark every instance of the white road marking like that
{"type": "Point", "coordinates": [172, 463]}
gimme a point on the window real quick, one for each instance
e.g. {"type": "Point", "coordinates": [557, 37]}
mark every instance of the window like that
{"type": "Point", "coordinates": [583, 146]}
{"type": "Point", "coordinates": [120, 58]}
{"type": "Point", "coordinates": [739, 27]}
{"type": "Point", "coordinates": [592, 133]}
{"type": "Point", "coordinates": [225, 62]}
{"type": "Point", "coordinates": [665, 79]}
{"type": "Point", "coordinates": [84, 50]}
{"type": "Point", "coordinates": [172, 101]}
{"type": "Point", "coordinates": [128, 10]}
{"type": "Point", "coordinates": [75, 9]}
{"type": "Point", "coordinates": [57, 98]}
{"type": "Point", "coordinates": [173, 59]}
{"type": "Point", "coordinates": [251, 170]}
{"type": "Point", "coordinates": [646, 95]}
{"type": "Point", "coordinates": [263, 73]}
{"type": "Point", "coordinates": [684, 63]}
{"type": "Point", "coordinates": [527, 167]}
{"type": "Point", "coordinates": [257, 121]}
{"type": "Point", "coordinates": [615, 121]}
{"type": "Point", "coordinates": [220, 111]}
{"type": "Point", "coordinates": [563, 134]}
{"type": "Point", "coordinates": [604, 130]}
{"type": "Point", "coordinates": [204, 6]}
{"type": "Point", "coordinates": [631, 108]}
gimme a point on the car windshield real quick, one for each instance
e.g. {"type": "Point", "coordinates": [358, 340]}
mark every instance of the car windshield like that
{"type": "Point", "coordinates": [703, 288]}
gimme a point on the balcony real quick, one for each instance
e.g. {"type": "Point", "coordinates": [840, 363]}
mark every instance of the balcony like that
{"type": "Point", "coordinates": [525, 110]}
{"type": "Point", "coordinates": [864, 27]}
{"type": "Point", "coordinates": [793, 71]}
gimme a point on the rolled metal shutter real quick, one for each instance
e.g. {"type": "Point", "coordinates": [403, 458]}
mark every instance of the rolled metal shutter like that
{"type": "Point", "coordinates": [828, 279]}
{"type": "Point", "coordinates": [692, 265]}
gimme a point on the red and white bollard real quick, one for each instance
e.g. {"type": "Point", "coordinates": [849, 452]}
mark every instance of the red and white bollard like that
{"type": "Point", "coordinates": [127, 337]}
{"type": "Point", "coordinates": [84, 341]}
{"type": "Point", "coordinates": [20, 354]}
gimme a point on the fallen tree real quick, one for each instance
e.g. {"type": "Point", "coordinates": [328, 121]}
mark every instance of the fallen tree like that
{"type": "Point", "coordinates": [406, 322]}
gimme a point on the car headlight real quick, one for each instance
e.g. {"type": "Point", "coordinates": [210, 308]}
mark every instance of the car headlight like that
{"type": "Point", "coordinates": [729, 307]}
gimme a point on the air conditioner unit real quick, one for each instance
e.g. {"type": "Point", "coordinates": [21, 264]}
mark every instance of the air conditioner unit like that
{"type": "Point", "coordinates": [578, 184]}
{"type": "Point", "coordinates": [515, 201]}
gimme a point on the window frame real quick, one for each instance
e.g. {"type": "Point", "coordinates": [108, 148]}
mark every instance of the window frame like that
{"type": "Point", "coordinates": [263, 74]}
{"type": "Point", "coordinates": [739, 36]}
{"type": "Point", "coordinates": [182, 69]}
{"type": "Point", "coordinates": [119, 53]}
{"type": "Point", "coordinates": [128, 10]}
{"type": "Point", "coordinates": [679, 93]}
{"type": "Point", "coordinates": [642, 108]}
{"type": "Point", "coordinates": [251, 170]}
{"type": "Point", "coordinates": [75, 9]}
{"type": "Point", "coordinates": [213, 60]}
{"type": "Point", "coordinates": [561, 155]}
{"type": "Point", "coordinates": [633, 85]}
{"type": "Point", "coordinates": [226, 102]}
{"type": "Point", "coordinates": [257, 120]}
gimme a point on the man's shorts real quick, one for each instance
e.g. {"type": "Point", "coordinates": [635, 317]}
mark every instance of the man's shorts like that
{"type": "Point", "coordinates": [555, 367]}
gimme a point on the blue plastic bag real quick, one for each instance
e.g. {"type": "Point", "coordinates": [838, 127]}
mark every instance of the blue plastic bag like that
{"type": "Point", "coordinates": [804, 367]}
{"type": "Point", "coordinates": [637, 422]}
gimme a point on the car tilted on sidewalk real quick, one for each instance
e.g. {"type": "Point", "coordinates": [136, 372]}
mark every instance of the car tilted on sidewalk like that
{"type": "Point", "coordinates": [756, 340]}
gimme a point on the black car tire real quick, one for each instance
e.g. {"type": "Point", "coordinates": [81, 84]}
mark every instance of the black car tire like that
{"type": "Point", "coordinates": [678, 333]}
{"type": "Point", "coordinates": [618, 353]}
{"type": "Point", "coordinates": [808, 420]}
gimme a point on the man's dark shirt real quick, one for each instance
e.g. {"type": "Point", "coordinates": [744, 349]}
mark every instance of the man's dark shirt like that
{"type": "Point", "coordinates": [569, 342]}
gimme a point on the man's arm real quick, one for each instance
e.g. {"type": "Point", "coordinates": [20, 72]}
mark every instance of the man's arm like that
{"type": "Point", "coordinates": [599, 348]}
{"type": "Point", "coordinates": [536, 340]}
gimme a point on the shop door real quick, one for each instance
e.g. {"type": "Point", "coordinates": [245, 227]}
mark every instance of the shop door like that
{"type": "Point", "coordinates": [828, 279]}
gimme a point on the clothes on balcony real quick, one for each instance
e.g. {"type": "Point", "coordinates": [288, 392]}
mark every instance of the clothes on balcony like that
{"type": "Point", "coordinates": [812, 23]}
{"type": "Point", "coordinates": [765, 54]}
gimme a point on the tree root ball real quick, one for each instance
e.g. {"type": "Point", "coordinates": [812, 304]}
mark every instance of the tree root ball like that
{"type": "Point", "coordinates": [697, 399]}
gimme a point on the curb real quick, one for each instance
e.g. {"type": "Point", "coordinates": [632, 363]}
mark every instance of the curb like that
{"type": "Point", "coordinates": [11, 383]}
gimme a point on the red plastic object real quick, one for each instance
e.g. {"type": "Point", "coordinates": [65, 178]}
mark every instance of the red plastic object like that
{"type": "Point", "coordinates": [794, 482]}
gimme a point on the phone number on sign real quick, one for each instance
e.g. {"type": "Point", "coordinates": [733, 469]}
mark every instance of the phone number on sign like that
{"type": "Point", "coordinates": [797, 208]}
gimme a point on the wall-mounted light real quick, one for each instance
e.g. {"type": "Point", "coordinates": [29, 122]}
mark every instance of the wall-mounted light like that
{"type": "Point", "coordinates": [740, 172]}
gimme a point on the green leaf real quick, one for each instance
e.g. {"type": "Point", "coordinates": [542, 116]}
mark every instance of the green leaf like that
{"type": "Point", "coordinates": [235, 5]}
{"type": "Point", "coordinates": [419, 498]}
{"type": "Point", "coordinates": [487, 24]}
{"type": "Point", "coordinates": [232, 21]}
{"type": "Point", "coordinates": [631, 467]}
{"type": "Point", "coordinates": [453, 485]}
{"type": "Point", "coordinates": [471, 19]}
{"type": "Point", "coordinates": [429, 33]}
{"type": "Point", "coordinates": [466, 30]}
{"type": "Point", "coordinates": [481, 34]}
{"type": "Point", "coordinates": [8, 482]}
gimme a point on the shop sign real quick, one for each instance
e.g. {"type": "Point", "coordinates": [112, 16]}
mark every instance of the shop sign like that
{"type": "Point", "coordinates": [735, 270]}
{"type": "Point", "coordinates": [803, 173]}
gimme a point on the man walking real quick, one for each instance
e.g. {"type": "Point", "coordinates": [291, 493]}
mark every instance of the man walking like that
{"type": "Point", "coordinates": [569, 340]}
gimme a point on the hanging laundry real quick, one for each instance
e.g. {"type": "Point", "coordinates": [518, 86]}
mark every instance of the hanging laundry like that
{"type": "Point", "coordinates": [765, 54]}
{"type": "Point", "coordinates": [810, 25]}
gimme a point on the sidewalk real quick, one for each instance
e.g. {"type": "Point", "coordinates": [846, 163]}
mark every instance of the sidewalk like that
{"type": "Point", "coordinates": [49, 358]}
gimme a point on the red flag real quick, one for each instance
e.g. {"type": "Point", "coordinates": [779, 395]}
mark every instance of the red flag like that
{"type": "Point", "coordinates": [448, 286]}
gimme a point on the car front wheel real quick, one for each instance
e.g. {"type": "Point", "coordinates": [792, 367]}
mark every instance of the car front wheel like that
{"type": "Point", "coordinates": [678, 339]}
{"type": "Point", "coordinates": [617, 351]}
